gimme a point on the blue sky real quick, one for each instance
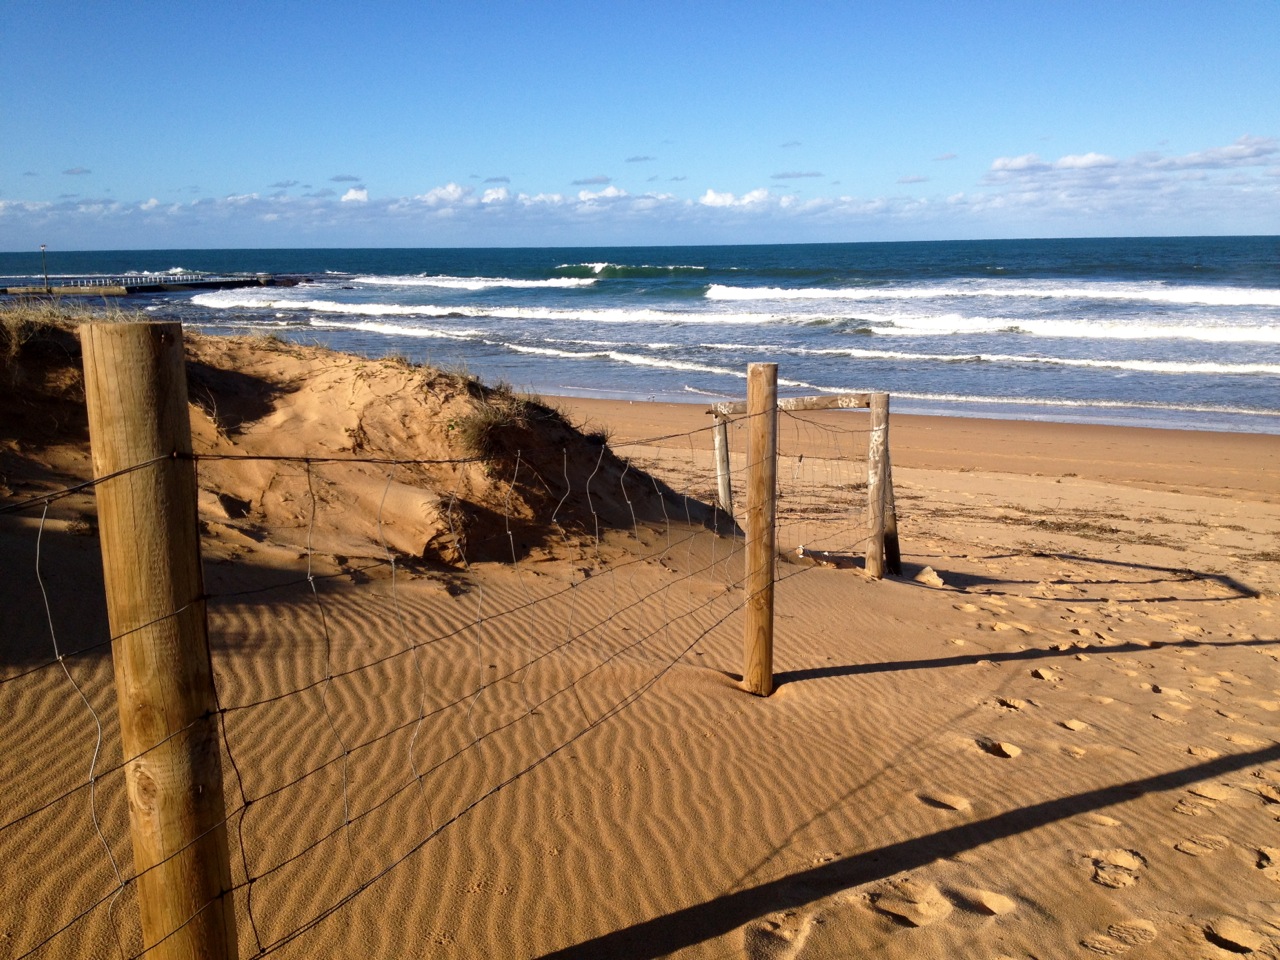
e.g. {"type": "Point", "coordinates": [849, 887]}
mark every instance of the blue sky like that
{"type": "Point", "coordinates": [148, 125]}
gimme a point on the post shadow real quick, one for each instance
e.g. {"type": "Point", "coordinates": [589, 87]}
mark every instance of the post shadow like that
{"type": "Point", "coordinates": [972, 659]}
{"type": "Point", "coordinates": [683, 928]}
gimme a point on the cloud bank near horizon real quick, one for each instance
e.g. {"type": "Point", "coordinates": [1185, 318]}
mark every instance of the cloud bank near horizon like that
{"type": "Point", "coordinates": [1232, 188]}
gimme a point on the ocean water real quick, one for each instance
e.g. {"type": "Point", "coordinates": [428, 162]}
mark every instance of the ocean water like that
{"type": "Point", "coordinates": [1165, 332]}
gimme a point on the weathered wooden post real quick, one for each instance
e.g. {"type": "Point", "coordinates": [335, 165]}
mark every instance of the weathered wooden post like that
{"type": "Point", "coordinates": [877, 482]}
{"type": "Point", "coordinates": [136, 393]}
{"type": "Point", "coordinates": [762, 489]}
{"type": "Point", "coordinates": [724, 486]}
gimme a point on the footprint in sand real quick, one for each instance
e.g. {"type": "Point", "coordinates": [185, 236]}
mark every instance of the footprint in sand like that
{"type": "Point", "coordinates": [1217, 792]}
{"type": "Point", "coordinates": [986, 901]}
{"type": "Point", "coordinates": [1044, 673]}
{"type": "Point", "coordinates": [1233, 935]}
{"type": "Point", "coordinates": [1204, 753]}
{"type": "Point", "coordinates": [1270, 792]}
{"type": "Point", "coordinates": [776, 937]}
{"type": "Point", "coordinates": [1074, 725]}
{"type": "Point", "coordinates": [917, 903]}
{"type": "Point", "coordinates": [1115, 868]}
{"type": "Point", "coordinates": [1202, 845]}
{"type": "Point", "coordinates": [945, 801]}
{"type": "Point", "coordinates": [1121, 938]}
{"type": "Point", "coordinates": [1194, 806]}
{"type": "Point", "coordinates": [998, 748]}
{"type": "Point", "coordinates": [1102, 820]}
{"type": "Point", "coordinates": [1269, 862]}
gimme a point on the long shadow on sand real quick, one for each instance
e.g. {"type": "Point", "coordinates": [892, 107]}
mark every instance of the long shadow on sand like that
{"type": "Point", "coordinates": [968, 660]}
{"type": "Point", "coordinates": [704, 921]}
{"type": "Point", "coordinates": [1170, 575]}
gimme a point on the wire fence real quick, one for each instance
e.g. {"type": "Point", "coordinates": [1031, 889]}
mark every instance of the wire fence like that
{"type": "Point", "coordinates": [386, 657]}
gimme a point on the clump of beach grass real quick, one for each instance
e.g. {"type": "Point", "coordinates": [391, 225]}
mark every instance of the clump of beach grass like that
{"type": "Point", "coordinates": [21, 318]}
{"type": "Point", "coordinates": [498, 411]}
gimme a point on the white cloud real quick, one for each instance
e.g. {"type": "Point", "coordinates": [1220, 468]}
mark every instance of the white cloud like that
{"type": "Point", "coordinates": [150, 204]}
{"type": "Point", "coordinates": [356, 195]}
{"type": "Point", "coordinates": [755, 197]}
{"type": "Point", "coordinates": [608, 193]}
{"type": "Point", "coordinates": [1087, 161]}
{"type": "Point", "coordinates": [1028, 161]}
{"type": "Point", "coordinates": [449, 193]}
{"type": "Point", "coordinates": [713, 199]}
{"type": "Point", "coordinates": [496, 195]}
{"type": "Point", "coordinates": [542, 199]}
{"type": "Point", "coordinates": [1247, 151]}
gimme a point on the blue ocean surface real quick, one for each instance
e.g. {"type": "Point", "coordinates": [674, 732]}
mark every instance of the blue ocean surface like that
{"type": "Point", "coordinates": [1165, 332]}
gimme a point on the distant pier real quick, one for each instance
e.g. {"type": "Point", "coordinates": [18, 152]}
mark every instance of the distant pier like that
{"type": "Point", "coordinates": [123, 286]}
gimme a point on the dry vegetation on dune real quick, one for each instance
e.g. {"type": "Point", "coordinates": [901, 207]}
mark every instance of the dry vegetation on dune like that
{"type": "Point", "coordinates": [478, 470]}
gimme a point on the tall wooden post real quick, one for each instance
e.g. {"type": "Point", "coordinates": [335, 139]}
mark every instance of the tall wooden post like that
{"type": "Point", "coordinates": [724, 487]}
{"type": "Point", "coordinates": [877, 482]}
{"type": "Point", "coordinates": [136, 393]}
{"type": "Point", "coordinates": [762, 489]}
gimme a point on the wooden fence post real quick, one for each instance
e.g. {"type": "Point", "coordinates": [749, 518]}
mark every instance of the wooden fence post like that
{"type": "Point", "coordinates": [877, 482]}
{"type": "Point", "coordinates": [724, 486]}
{"type": "Point", "coordinates": [762, 489]}
{"type": "Point", "coordinates": [136, 394]}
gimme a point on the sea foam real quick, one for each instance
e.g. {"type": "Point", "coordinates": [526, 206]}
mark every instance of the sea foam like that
{"type": "Point", "coordinates": [473, 283]}
{"type": "Point", "coordinates": [1150, 292]}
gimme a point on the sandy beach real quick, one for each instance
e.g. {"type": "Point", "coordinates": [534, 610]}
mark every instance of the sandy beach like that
{"type": "Point", "coordinates": [1056, 735]}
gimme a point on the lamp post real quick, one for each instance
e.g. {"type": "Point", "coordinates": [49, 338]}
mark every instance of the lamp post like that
{"type": "Point", "coordinates": [45, 264]}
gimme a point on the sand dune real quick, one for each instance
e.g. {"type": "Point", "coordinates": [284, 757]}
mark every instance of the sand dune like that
{"type": "Point", "coordinates": [1063, 743]}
